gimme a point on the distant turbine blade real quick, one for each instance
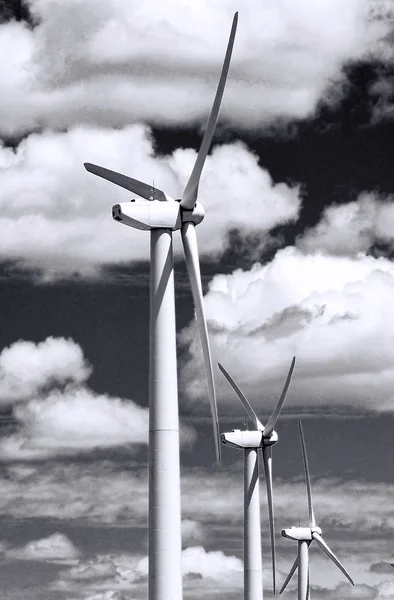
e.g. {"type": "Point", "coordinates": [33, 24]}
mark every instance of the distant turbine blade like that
{"type": "Point", "coordinates": [312, 522]}
{"type": "Point", "coordinates": [189, 195]}
{"type": "Point", "coordinates": [268, 429]}
{"type": "Point", "coordinates": [267, 458]}
{"type": "Point", "coordinates": [323, 546]}
{"type": "Point", "coordinates": [133, 185]}
{"type": "Point", "coordinates": [247, 406]}
{"type": "Point", "coordinates": [189, 240]}
{"type": "Point", "coordinates": [290, 575]}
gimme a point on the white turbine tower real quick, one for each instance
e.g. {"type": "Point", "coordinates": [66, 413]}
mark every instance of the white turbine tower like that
{"type": "Point", "coordinates": [305, 536]}
{"type": "Point", "coordinates": [250, 441]}
{"type": "Point", "coordinates": [161, 215]}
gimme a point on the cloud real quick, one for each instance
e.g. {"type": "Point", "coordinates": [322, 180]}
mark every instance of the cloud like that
{"type": "Point", "coordinates": [26, 367]}
{"type": "Point", "coordinates": [56, 217]}
{"type": "Point", "coordinates": [103, 492]}
{"type": "Point", "coordinates": [78, 420]}
{"type": "Point", "coordinates": [200, 568]}
{"type": "Point", "coordinates": [348, 229]}
{"type": "Point", "coordinates": [333, 313]}
{"type": "Point", "coordinates": [98, 492]}
{"type": "Point", "coordinates": [56, 548]}
{"type": "Point", "coordinates": [57, 419]}
{"type": "Point", "coordinates": [382, 93]}
{"type": "Point", "coordinates": [107, 596]}
{"type": "Point", "coordinates": [344, 591]}
{"type": "Point", "coordinates": [213, 565]}
{"type": "Point", "coordinates": [103, 568]}
{"type": "Point", "coordinates": [386, 589]}
{"type": "Point", "coordinates": [381, 567]}
{"type": "Point", "coordinates": [113, 63]}
{"type": "Point", "coordinates": [192, 532]}
{"type": "Point", "coordinates": [74, 420]}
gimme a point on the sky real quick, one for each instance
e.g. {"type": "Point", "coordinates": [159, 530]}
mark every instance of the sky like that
{"type": "Point", "coordinates": [297, 259]}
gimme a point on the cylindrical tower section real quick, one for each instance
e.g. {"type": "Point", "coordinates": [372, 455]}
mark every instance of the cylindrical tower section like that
{"type": "Point", "coordinates": [303, 570]}
{"type": "Point", "coordinates": [165, 568]}
{"type": "Point", "coordinates": [253, 571]}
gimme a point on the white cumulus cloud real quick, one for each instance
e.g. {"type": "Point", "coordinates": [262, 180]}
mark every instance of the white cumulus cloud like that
{"type": "Point", "coordinates": [114, 62]}
{"type": "Point", "coordinates": [55, 548]}
{"type": "Point", "coordinates": [56, 217]}
{"type": "Point", "coordinates": [333, 313]}
{"type": "Point", "coordinates": [348, 229]}
{"type": "Point", "coordinates": [58, 419]}
{"type": "Point", "coordinates": [26, 367]}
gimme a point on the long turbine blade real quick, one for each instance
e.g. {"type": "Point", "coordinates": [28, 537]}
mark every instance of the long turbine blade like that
{"type": "Point", "coordinates": [245, 402]}
{"type": "Point", "coordinates": [189, 195]}
{"type": "Point", "coordinates": [290, 575]}
{"type": "Point", "coordinates": [323, 546]}
{"type": "Point", "coordinates": [312, 522]}
{"type": "Point", "coordinates": [189, 240]}
{"type": "Point", "coordinates": [308, 590]}
{"type": "Point", "coordinates": [267, 458]}
{"type": "Point", "coordinates": [268, 429]}
{"type": "Point", "coordinates": [133, 185]}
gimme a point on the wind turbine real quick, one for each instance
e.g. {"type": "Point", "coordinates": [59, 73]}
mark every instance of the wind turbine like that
{"type": "Point", "coordinates": [250, 441]}
{"type": "Point", "coordinates": [161, 215]}
{"type": "Point", "coordinates": [305, 536]}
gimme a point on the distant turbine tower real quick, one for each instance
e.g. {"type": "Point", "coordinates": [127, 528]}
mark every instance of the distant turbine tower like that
{"type": "Point", "coordinates": [162, 215]}
{"type": "Point", "coordinates": [251, 440]}
{"type": "Point", "coordinates": [305, 536]}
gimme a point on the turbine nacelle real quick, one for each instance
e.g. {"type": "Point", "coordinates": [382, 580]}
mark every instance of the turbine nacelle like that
{"type": "Point", "coordinates": [238, 438]}
{"type": "Point", "coordinates": [300, 534]}
{"type": "Point", "coordinates": [155, 214]}
{"type": "Point", "coordinates": [242, 439]}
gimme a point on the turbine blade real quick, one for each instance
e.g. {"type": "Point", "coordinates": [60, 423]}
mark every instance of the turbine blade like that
{"type": "Point", "coordinates": [308, 594]}
{"type": "Point", "coordinates": [252, 415]}
{"type": "Point", "coordinates": [268, 429]}
{"type": "Point", "coordinates": [312, 522]}
{"type": "Point", "coordinates": [323, 546]}
{"type": "Point", "coordinates": [267, 458]}
{"type": "Point", "coordinates": [290, 575]}
{"type": "Point", "coordinates": [189, 240]}
{"type": "Point", "coordinates": [133, 185]}
{"type": "Point", "coordinates": [189, 195]}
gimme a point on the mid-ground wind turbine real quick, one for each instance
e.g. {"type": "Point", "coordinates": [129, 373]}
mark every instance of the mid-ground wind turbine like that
{"type": "Point", "coordinates": [305, 536]}
{"type": "Point", "coordinates": [250, 441]}
{"type": "Point", "coordinates": [161, 215]}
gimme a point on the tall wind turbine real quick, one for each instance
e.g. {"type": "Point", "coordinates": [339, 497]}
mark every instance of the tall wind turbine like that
{"type": "Point", "coordinates": [250, 441]}
{"type": "Point", "coordinates": [161, 215]}
{"type": "Point", "coordinates": [305, 536]}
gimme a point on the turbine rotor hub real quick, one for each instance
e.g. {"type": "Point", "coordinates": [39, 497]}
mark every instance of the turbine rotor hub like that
{"type": "Point", "coordinates": [271, 440]}
{"type": "Point", "coordinates": [195, 216]}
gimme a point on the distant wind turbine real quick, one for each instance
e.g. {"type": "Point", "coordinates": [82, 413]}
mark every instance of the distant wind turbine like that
{"type": "Point", "coordinates": [305, 536]}
{"type": "Point", "coordinates": [250, 441]}
{"type": "Point", "coordinates": [161, 215]}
